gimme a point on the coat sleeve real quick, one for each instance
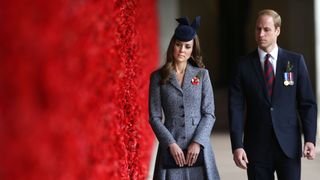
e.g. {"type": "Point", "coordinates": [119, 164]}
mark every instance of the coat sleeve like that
{"type": "Point", "coordinates": [236, 109]}
{"type": "Point", "coordinates": [307, 106]}
{"type": "Point", "coordinates": [163, 135]}
{"type": "Point", "coordinates": [203, 131]}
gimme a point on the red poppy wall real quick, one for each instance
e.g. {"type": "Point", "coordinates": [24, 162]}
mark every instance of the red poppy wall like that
{"type": "Point", "coordinates": [74, 79]}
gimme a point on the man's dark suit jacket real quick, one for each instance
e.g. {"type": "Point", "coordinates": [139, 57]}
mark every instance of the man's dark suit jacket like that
{"type": "Point", "coordinates": [289, 110]}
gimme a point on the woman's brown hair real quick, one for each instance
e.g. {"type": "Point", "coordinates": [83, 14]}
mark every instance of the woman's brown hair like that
{"type": "Point", "coordinates": [195, 59]}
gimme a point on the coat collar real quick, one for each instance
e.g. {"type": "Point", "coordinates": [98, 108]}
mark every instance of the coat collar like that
{"type": "Point", "coordinates": [190, 73]}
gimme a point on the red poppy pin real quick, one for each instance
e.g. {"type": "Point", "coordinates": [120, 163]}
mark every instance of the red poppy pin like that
{"type": "Point", "coordinates": [195, 80]}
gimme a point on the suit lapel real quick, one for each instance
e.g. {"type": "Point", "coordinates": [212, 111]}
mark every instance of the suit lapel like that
{"type": "Point", "coordinates": [174, 81]}
{"type": "Point", "coordinates": [259, 73]}
{"type": "Point", "coordinates": [191, 72]}
{"type": "Point", "coordinates": [281, 62]}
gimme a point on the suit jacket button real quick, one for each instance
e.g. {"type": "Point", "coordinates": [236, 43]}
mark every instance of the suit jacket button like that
{"type": "Point", "coordinates": [271, 108]}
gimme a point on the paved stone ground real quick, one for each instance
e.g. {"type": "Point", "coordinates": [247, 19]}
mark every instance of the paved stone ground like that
{"type": "Point", "coordinates": [229, 171]}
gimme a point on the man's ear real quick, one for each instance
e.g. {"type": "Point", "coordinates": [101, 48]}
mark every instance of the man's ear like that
{"type": "Point", "coordinates": [278, 31]}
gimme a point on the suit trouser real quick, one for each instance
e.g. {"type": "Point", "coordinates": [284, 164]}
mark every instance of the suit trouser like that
{"type": "Point", "coordinates": [274, 161]}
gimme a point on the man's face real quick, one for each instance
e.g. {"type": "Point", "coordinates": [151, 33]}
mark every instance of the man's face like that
{"type": "Point", "coordinates": [266, 33]}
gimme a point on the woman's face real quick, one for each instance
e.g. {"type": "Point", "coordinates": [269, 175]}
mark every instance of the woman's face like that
{"type": "Point", "coordinates": [182, 50]}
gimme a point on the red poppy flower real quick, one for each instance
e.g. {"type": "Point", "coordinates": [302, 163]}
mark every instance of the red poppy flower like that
{"type": "Point", "coordinates": [195, 81]}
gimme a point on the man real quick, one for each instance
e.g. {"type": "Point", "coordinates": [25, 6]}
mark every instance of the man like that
{"type": "Point", "coordinates": [271, 89]}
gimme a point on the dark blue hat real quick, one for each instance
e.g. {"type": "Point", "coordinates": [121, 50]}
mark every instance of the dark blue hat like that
{"type": "Point", "coordinates": [184, 31]}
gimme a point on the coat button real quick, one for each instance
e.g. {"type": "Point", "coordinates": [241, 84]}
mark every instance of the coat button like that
{"type": "Point", "coordinates": [183, 137]}
{"type": "Point", "coordinates": [181, 107]}
{"type": "Point", "coordinates": [183, 125]}
{"type": "Point", "coordinates": [182, 115]}
{"type": "Point", "coordinates": [271, 109]}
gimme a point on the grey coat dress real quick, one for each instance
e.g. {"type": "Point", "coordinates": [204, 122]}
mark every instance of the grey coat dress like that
{"type": "Point", "coordinates": [188, 116]}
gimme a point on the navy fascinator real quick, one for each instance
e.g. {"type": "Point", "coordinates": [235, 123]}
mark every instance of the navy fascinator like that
{"type": "Point", "coordinates": [185, 31]}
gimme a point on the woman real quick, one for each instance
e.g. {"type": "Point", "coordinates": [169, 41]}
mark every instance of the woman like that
{"type": "Point", "coordinates": [181, 91]}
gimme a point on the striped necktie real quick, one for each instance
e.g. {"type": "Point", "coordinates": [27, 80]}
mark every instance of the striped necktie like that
{"type": "Point", "coordinates": [268, 74]}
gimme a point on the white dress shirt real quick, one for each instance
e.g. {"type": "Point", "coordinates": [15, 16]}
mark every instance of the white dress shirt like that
{"type": "Point", "coordinates": [273, 58]}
